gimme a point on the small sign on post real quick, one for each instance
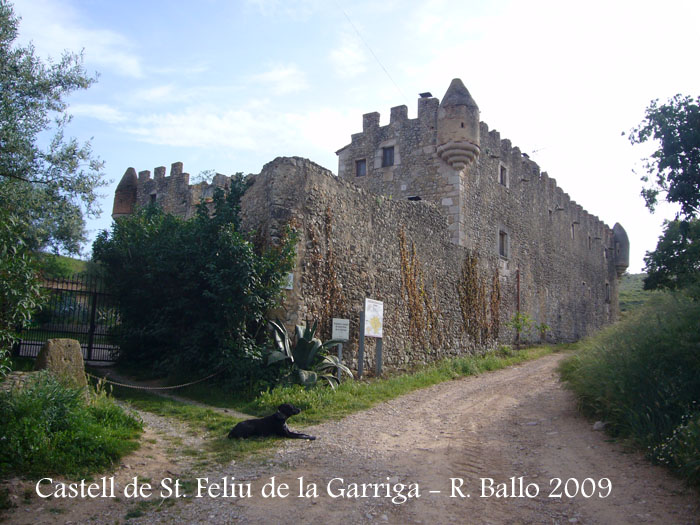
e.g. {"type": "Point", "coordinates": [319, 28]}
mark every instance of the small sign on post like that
{"type": "Point", "coordinates": [341, 329]}
{"type": "Point", "coordinates": [341, 332]}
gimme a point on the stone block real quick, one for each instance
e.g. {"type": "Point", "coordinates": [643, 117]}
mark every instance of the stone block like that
{"type": "Point", "coordinates": [64, 359]}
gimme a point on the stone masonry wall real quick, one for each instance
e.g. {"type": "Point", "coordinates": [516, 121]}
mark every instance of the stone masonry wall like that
{"type": "Point", "coordinates": [562, 255]}
{"type": "Point", "coordinates": [350, 249]}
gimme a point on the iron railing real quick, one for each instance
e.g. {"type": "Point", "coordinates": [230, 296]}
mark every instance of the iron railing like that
{"type": "Point", "coordinates": [77, 308]}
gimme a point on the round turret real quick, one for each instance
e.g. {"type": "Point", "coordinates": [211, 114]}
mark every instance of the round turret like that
{"type": "Point", "coordinates": [125, 195]}
{"type": "Point", "coordinates": [622, 249]}
{"type": "Point", "coordinates": [458, 127]}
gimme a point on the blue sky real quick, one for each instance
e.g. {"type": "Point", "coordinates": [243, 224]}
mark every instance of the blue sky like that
{"type": "Point", "coordinates": [231, 85]}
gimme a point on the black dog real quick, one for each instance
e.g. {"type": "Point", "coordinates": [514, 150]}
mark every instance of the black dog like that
{"type": "Point", "coordinates": [274, 425]}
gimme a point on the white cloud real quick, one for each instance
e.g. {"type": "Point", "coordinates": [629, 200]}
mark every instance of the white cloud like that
{"type": "Point", "coordinates": [349, 58]}
{"type": "Point", "coordinates": [54, 27]}
{"type": "Point", "coordinates": [102, 112]}
{"type": "Point", "coordinates": [282, 79]}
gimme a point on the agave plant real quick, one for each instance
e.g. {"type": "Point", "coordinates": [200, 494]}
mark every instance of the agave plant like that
{"type": "Point", "coordinates": [307, 354]}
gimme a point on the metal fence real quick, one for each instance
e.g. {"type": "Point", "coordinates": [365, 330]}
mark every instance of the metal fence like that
{"type": "Point", "coordinates": [77, 308]}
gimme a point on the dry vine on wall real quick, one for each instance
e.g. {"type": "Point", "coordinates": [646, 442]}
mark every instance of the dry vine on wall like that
{"type": "Point", "coordinates": [480, 317]}
{"type": "Point", "coordinates": [423, 311]}
{"type": "Point", "coordinates": [324, 276]}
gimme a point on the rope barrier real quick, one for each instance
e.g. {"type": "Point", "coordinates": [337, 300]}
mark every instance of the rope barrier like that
{"type": "Point", "coordinates": [138, 387]}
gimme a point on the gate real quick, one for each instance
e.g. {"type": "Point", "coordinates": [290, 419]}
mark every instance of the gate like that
{"type": "Point", "coordinates": [77, 308]}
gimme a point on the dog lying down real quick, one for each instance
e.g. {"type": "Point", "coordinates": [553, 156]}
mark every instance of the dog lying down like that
{"type": "Point", "coordinates": [274, 425]}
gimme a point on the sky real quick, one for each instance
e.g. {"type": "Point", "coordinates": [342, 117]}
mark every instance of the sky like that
{"type": "Point", "coordinates": [231, 85]}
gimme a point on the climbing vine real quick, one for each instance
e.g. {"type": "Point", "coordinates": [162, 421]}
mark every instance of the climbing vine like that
{"type": "Point", "coordinates": [423, 310]}
{"type": "Point", "coordinates": [480, 314]}
{"type": "Point", "coordinates": [324, 275]}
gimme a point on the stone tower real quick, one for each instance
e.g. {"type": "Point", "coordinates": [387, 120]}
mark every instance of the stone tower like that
{"type": "Point", "coordinates": [125, 195]}
{"type": "Point", "coordinates": [458, 127]}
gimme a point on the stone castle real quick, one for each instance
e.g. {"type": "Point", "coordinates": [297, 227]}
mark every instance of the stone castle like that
{"type": "Point", "coordinates": [453, 228]}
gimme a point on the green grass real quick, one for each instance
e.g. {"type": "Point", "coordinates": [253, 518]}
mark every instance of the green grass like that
{"type": "Point", "coordinates": [632, 293]}
{"type": "Point", "coordinates": [47, 428]}
{"type": "Point", "coordinates": [60, 266]}
{"type": "Point", "coordinates": [201, 420]}
{"type": "Point", "coordinates": [322, 403]}
{"type": "Point", "coordinates": [642, 377]}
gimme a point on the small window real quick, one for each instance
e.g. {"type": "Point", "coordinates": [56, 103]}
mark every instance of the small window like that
{"type": "Point", "coordinates": [607, 292]}
{"type": "Point", "coordinates": [387, 156]}
{"type": "Point", "coordinates": [503, 176]}
{"type": "Point", "coordinates": [503, 244]}
{"type": "Point", "coordinates": [360, 168]}
{"type": "Point", "coordinates": [589, 242]}
{"type": "Point", "coordinates": [153, 197]}
{"type": "Point", "coordinates": [573, 231]}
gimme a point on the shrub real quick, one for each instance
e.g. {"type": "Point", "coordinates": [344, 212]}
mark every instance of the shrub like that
{"type": "Point", "coordinates": [49, 428]}
{"type": "Point", "coordinates": [193, 294]}
{"type": "Point", "coordinates": [642, 376]}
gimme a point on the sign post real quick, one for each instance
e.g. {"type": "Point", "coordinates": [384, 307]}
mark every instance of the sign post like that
{"type": "Point", "coordinates": [341, 331]}
{"type": "Point", "coordinates": [372, 325]}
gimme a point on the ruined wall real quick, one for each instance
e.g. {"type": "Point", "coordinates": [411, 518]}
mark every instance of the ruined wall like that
{"type": "Point", "coordinates": [173, 193]}
{"type": "Point", "coordinates": [355, 244]}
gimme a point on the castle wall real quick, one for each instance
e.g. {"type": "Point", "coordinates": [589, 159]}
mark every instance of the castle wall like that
{"type": "Point", "coordinates": [356, 244]}
{"type": "Point", "coordinates": [562, 255]}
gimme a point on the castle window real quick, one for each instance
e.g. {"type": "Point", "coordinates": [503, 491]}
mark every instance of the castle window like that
{"type": "Point", "coordinates": [503, 244]}
{"type": "Point", "coordinates": [360, 168]}
{"type": "Point", "coordinates": [503, 175]}
{"type": "Point", "coordinates": [607, 292]}
{"type": "Point", "coordinates": [387, 156]}
{"type": "Point", "coordinates": [573, 230]}
{"type": "Point", "coordinates": [589, 242]}
{"type": "Point", "coordinates": [153, 198]}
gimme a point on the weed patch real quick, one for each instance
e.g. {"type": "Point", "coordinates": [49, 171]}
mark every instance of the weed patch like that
{"type": "Point", "coordinates": [48, 428]}
{"type": "Point", "coordinates": [642, 376]}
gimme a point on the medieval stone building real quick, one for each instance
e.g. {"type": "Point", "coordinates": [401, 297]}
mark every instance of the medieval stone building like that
{"type": "Point", "coordinates": [453, 228]}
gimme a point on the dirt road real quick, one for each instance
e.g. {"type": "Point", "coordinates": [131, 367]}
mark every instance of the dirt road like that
{"type": "Point", "coordinates": [482, 435]}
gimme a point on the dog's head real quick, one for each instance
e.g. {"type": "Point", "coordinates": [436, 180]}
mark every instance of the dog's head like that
{"type": "Point", "coordinates": [288, 410]}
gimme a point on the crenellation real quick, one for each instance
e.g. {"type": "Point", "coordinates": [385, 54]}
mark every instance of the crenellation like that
{"type": "Point", "coordinates": [175, 169]}
{"type": "Point", "coordinates": [144, 175]}
{"type": "Point", "coordinates": [399, 114]}
{"type": "Point", "coordinates": [159, 172]}
{"type": "Point", "coordinates": [370, 121]}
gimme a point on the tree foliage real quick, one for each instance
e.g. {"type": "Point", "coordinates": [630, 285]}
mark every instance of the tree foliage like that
{"type": "Point", "coordinates": [675, 264]}
{"type": "Point", "coordinates": [47, 180]}
{"type": "Point", "coordinates": [46, 177]}
{"type": "Point", "coordinates": [674, 168]}
{"type": "Point", "coordinates": [193, 294]}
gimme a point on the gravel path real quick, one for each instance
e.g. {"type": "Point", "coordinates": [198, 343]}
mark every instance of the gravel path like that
{"type": "Point", "coordinates": [512, 424]}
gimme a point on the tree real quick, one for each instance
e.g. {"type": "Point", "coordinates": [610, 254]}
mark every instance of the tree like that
{"type": "Point", "coordinates": [47, 181]}
{"type": "Point", "coordinates": [46, 178]}
{"type": "Point", "coordinates": [675, 264]}
{"type": "Point", "coordinates": [674, 167]}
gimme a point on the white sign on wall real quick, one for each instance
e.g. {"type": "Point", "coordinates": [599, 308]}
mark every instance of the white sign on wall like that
{"type": "Point", "coordinates": [341, 329]}
{"type": "Point", "coordinates": [374, 318]}
{"type": "Point", "coordinates": [289, 284]}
